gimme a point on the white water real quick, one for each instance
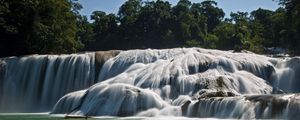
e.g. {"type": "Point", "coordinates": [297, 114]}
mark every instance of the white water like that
{"type": "Point", "coordinates": [247, 107]}
{"type": "Point", "coordinates": [190, 82]}
{"type": "Point", "coordinates": [36, 82]}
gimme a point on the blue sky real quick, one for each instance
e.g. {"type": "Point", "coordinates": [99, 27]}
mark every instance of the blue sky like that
{"type": "Point", "coordinates": [112, 6]}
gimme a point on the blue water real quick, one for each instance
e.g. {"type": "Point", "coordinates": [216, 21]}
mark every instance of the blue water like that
{"type": "Point", "coordinates": [46, 116]}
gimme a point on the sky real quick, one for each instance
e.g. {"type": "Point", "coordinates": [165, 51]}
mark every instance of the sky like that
{"type": "Point", "coordinates": [228, 6]}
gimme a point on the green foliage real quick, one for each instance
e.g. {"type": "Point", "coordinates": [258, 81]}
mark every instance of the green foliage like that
{"type": "Point", "coordinates": [192, 43]}
{"type": "Point", "coordinates": [85, 33]}
{"type": "Point", "coordinates": [213, 14]}
{"type": "Point", "coordinates": [37, 26]}
{"type": "Point", "coordinates": [105, 30]}
{"type": "Point", "coordinates": [210, 41]}
{"type": "Point", "coordinates": [56, 26]}
{"type": "Point", "coordinates": [234, 36]}
{"type": "Point", "coordinates": [156, 24]}
{"type": "Point", "coordinates": [292, 26]}
{"type": "Point", "coordinates": [225, 32]}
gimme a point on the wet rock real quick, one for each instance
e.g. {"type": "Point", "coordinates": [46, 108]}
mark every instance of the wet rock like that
{"type": "Point", "coordinates": [217, 94]}
{"type": "Point", "coordinates": [184, 107]}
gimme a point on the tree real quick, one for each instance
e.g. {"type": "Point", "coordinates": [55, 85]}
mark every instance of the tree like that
{"type": "Point", "coordinates": [278, 26]}
{"type": "Point", "coordinates": [56, 26]}
{"type": "Point", "coordinates": [214, 14]}
{"type": "Point", "coordinates": [16, 18]}
{"type": "Point", "coordinates": [85, 33]}
{"type": "Point", "coordinates": [31, 26]}
{"type": "Point", "coordinates": [263, 17]}
{"type": "Point", "coordinates": [225, 33]}
{"type": "Point", "coordinates": [242, 33]}
{"type": "Point", "coordinates": [292, 26]}
{"type": "Point", "coordinates": [153, 24]}
{"type": "Point", "coordinates": [128, 14]}
{"type": "Point", "coordinates": [181, 22]}
{"type": "Point", "coordinates": [105, 28]}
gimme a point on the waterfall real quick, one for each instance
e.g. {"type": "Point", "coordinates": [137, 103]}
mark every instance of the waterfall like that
{"type": "Point", "coordinates": [191, 82]}
{"type": "Point", "coordinates": [246, 107]}
{"type": "Point", "coordinates": [34, 83]}
{"type": "Point", "coordinates": [287, 75]}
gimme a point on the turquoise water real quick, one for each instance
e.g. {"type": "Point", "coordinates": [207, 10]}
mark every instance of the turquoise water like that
{"type": "Point", "coordinates": [46, 116]}
{"type": "Point", "coordinates": [29, 117]}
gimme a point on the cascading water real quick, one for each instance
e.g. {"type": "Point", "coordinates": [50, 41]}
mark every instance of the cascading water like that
{"type": "Point", "coordinates": [190, 82]}
{"type": "Point", "coordinates": [34, 83]}
{"type": "Point", "coordinates": [246, 107]}
{"type": "Point", "coordinates": [287, 76]}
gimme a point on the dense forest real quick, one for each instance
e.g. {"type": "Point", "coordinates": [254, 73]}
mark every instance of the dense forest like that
{"type": "Point", "coordinates": [56, 26]}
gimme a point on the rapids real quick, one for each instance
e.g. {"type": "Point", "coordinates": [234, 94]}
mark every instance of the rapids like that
{"type": "Point", "coordinates": [190, 82]}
